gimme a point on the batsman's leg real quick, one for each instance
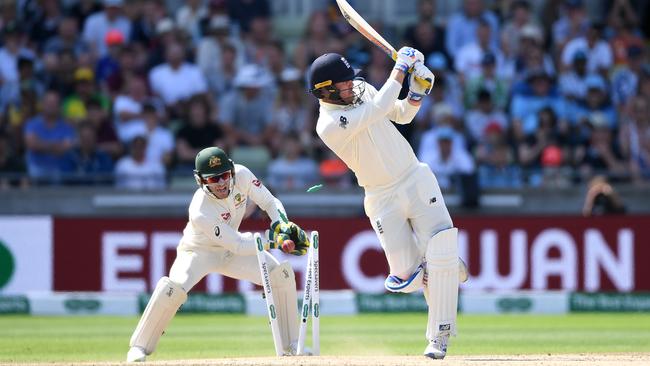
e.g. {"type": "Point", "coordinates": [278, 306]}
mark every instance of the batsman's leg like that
{"type": "Point", "coordinates": [165, 301]}
{"type": "Point", "coordinates": [442, 290]}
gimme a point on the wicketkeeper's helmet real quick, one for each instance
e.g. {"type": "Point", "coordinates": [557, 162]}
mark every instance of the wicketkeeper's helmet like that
{"type": "Point", "coordinates": [212, 162]}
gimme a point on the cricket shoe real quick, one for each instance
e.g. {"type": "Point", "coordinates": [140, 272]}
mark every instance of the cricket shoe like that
{"type": "Point", "coordinates": [437, 348]}
{"type": "Point", "coordinates": [136, 354]}
{"type": "Point", "coordinates": [463, 274]}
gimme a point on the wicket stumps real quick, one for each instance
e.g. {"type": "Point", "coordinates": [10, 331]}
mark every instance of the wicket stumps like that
{"type": "Point", "coordinates": [268, 294]}
{"type": "Point", "coordinates": [311, 295]}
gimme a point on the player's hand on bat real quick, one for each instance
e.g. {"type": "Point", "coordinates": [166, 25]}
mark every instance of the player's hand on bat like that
{"type": "Point", "coordinates": [406, 58]}
{"type": "Point", "coordinates": [417, 91]}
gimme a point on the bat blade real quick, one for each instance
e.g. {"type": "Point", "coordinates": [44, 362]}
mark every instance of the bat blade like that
{"type": "Point", "coordinates": [360, 24]}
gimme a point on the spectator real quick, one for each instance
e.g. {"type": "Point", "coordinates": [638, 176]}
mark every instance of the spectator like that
{"type": "Point", "coordinates": [292, 170]}
{"type": "Point", "coordinates": [197, 133]}
{"type": "Point", "coordinates": [598, 51]}
{"type": "Point", "coordinates": [176, 80]}
{"type": "Point", "coordinates": [246, 112]}
{"type": "Point", "coordinates": [106, 136]}
{"type": "Point", "coordinates": [11, 51]}
{"type": "Point", "coordinates": [601, 153]}
{"type": "Point", "coordinates": [136, 172]}
{"type": "Point", "coordinates": [520, 18]}
{"type": "Point", "coordinates": [531, 56]}
{"type": "Point", "coordinates": [188, 17]}
{"type": "Point", "coordinates": [128, 109]}
{"type": "Point", "coordinates": [623, 23]}
{"type": "Point", "coordinates": [10, 91]}
{"type": "Point", "coordinates": [67, 37]}
{"type": "Point", "coordinates": [160, 141]}
{"type": "Point", "coordinates": [572, 82]}
{"type": "Point", "coordinates": [463, 26]}
{"type": "Point", "coordinates": [74, 106]}
{"type": "Point", "coordinates": [44, 24]}
{"type": "Point", "coordinates": [47, 138]}
{"type": "Point", "coordinates": [625, 78]}
{"type": "Point", "coordinates": [485, 113]}
{"type": "Point", "coordinates": [635, 139]}
{"type": "Point", "coordinates": [489, 80]}
{"type": "Point", "coordinates": [424, 35]}
{"type": "Point", "coordinates": [538, 94]}
{"type": "Point", "coordinates": [497, 167]}
{"type": "Point", "coordinates": [99, 24]}
{"type": "Point", "coordinates": [108, 65]}
{"type": "Point", "coordinates": [211, 57]}
{"type": "Point", "coordinates": [446, 89]}
{"type": "Point", "coordinates": [468, 58]}
{"type": "Point", "coordinates": [601, 199]}
{"type": "Point", "coordinates": [244, 12]}
{"type": "Point", "coordinates": [540, 149]}
{"type": "Point", "coordinates": [82, 9]}
{"type": "Point", "coordinates": [86, 163]}
{"type": "Point", "coordinates": [290, 114]}
{"type": "Point", "coordinates": [144, 31]}
{"type": "Point", "coordinates": [446, 160]}
{"type": "Point", "coordinates": [12, 168]}
{"type": "Point", "coordinates": [572, 23]}
{"type": "Point", "coordinates": [317, 39]}
{"type": "Point", "coordinates": [596, 102]}
{"type": "Point", "coordinates": [130, 64]}
{"type": "Point", "coordinates": [257, 41]}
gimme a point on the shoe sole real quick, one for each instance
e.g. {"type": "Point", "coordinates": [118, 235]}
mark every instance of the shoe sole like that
{"type": "Point", "coordinates": [433, 356]}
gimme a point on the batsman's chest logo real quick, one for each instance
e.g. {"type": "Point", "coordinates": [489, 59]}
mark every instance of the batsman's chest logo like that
{"type": "Point", "coordinates": [343, 122]}
{"type": "Point", "coordinates": [225, 216]}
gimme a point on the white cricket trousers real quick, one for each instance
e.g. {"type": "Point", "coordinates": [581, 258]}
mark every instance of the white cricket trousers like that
{"type": "Point", "coordinates": [405, 216]}
{"type": "Point", "coordinates": [191, 265]}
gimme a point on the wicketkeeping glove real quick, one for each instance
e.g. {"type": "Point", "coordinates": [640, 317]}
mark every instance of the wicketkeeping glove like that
{"type": "Point", "coordinates": [416, 90]}
{"type": "Point", "coordinates": [281, 231]}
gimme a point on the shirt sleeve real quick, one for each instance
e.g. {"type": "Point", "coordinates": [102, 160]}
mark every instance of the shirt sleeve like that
{"type": "Point", "coordinates": [403, 112]}
{"type": "Point", "coordinates": [225, 236]}
{"type": "Point", "coordinates": [262, 196]}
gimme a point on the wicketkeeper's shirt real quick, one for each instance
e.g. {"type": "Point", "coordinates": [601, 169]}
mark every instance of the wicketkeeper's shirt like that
{"type": "Point", "coordinates": [364, 137]}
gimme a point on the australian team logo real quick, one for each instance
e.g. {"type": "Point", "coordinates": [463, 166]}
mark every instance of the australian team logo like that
{"type": "Point", "coordinates": [214, 161]}
{"type": "Point", "coordinates": [239, 200]}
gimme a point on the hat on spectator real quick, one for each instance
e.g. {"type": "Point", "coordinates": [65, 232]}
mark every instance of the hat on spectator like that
{"type": "Point", "coordinates": [442, 110]}
{"type": "Point", "coordinates": [488, 59]}
{"type": "Point", "coordinates": [551, 156]}
{"type": "Point", "coordinates": [113, 3]}
{"type": "Point", "coordinates": [492, 127]}
{"type": "Point", "coordinates": [219, 22]}
{"type": "Point", "coordinates": [165, 25]}
{"type": "Point", "coordinates": [114, 37]}
{"type": "Point", "coordinates": [445, 133]}
{"type": "Point", "coordinates": [437, 61]}
{"type": "Point", "coordinates": [579, 56]}
{"type": "Point", "coordinates": [533, 32]}
{"type": "Point", "coordinates": [598, 120]}
{"type": "Point", "coordinates": [290, 74]}
{"type": "Point", "coordinates": [595, 82]}
{"type": "Point", "coordinates": [84, 74]}
{"type": "Point", "coordinates": [252, 76]}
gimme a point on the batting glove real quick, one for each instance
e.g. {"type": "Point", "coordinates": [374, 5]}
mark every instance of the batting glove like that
{"type": "Point", "coordinates": [406, 57]}
{"type": "Point", "coordinates": [416, 90]}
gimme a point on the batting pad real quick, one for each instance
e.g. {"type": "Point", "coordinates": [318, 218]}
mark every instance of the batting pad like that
{"type": "Point", "coordinates": [164, 302]}
{"type": "Point", "coordinates": [283, 283]}
{"type": "Point", "coordinates": [442, 282]}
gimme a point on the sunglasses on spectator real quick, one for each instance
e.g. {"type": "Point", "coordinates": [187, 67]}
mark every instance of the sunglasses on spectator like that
{"type": "Point", "coordinates": [217, 178]}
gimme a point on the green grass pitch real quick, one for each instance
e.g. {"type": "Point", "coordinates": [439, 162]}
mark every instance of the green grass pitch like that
{"type": "Point", "coordinates": [66, 339]}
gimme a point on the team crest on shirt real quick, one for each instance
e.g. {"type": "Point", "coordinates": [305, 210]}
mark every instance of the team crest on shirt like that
{"type": "Point", "coordinates": [225, 216]}
{"type": "Point", "coordinates": [239, 200]}
{"type": "Point", "coordinates": [257, 183]}
{"type": "Point", "coordinates": [343, 122]}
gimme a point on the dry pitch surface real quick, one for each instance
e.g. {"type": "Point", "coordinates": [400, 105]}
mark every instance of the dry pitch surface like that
{"type": "Point", "coordinates": [621, 359]}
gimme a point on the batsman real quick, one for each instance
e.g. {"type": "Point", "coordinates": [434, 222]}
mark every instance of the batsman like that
{"type": "Point", "coordinates": [211, 242]}
{"type": "Point", "coordinates": [402, 197]}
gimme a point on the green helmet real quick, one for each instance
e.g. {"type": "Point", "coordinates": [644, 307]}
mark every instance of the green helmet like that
{"type": "Point", "coordinates": [209, 162]}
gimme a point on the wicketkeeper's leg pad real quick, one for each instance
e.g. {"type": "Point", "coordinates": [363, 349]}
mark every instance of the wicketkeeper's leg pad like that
{"type": "Point", "coordinates": [283, 283]}
{"type": "Point", "coordinates": [167, 297]}
{"type": "Point", "coordinates": [442, 282]}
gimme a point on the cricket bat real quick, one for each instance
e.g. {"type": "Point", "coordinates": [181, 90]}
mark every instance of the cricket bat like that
{"type": "Point", "coordinates": [367, 31]}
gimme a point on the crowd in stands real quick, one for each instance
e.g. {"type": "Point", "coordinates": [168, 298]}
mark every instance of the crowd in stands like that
{"type": "Point", "coordinates": [125, 93]}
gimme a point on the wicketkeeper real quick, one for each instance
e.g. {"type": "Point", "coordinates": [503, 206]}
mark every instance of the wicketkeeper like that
{"type": "Point", "coordinates": [402, 196]}
{"type": "Point", "coordinates": [211, 242]}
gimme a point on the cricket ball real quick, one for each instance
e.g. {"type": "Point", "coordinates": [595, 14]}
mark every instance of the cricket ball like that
{"type": "Point", "coordinates": [288, 246]}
